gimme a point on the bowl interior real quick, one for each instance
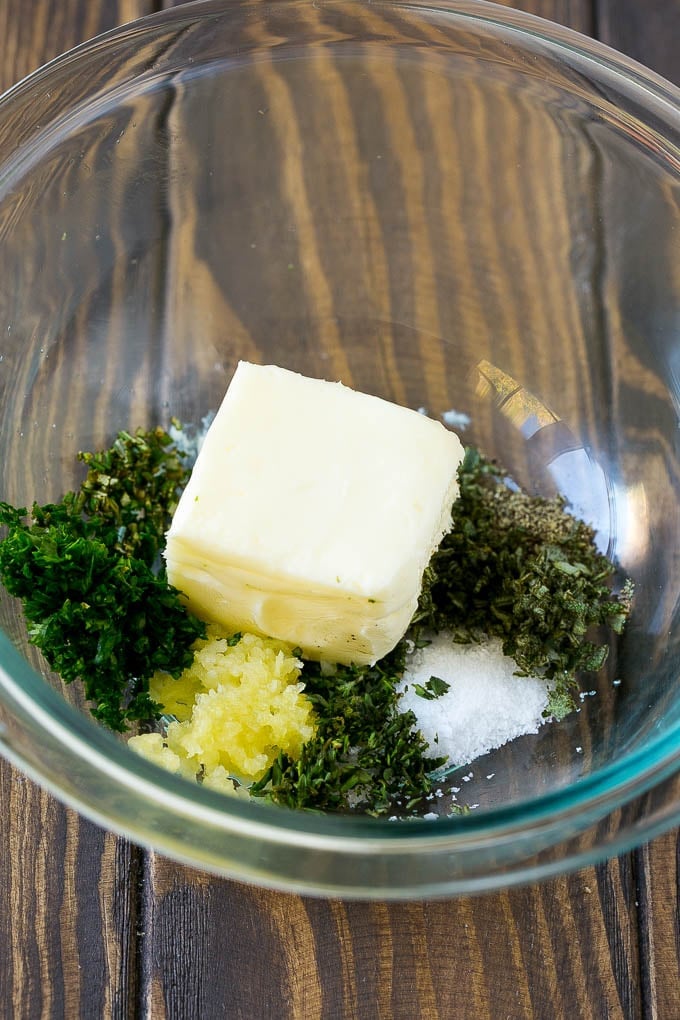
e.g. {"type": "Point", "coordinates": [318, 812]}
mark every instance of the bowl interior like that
{"type": "Point", "coordinates": [430, 208]}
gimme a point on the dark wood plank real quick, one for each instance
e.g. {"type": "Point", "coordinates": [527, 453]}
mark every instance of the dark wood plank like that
{"type": "Point", "coordinates": [649, 32]}
{"type": "Point", "coordinates": [576, 14]}
{"type": "Point", "coordinates": [68, 921]}
{"type": "Point", "coordinates": [68, 890]}
{"type": "Point", "coordinates": [659, 898]}
{"type": "Point", "coordinates": [32, 33]}
{"type": "Point", "coordinates": [566, 948]}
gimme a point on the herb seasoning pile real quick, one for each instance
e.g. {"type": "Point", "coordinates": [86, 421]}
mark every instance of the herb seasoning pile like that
{"type": "Point", "coordinates": [515, 568]}
{"type": "Point", "coordinates": [86, 570]}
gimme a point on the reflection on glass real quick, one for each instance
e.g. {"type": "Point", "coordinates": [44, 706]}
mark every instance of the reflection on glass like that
{"type": "Point", "coordinates": [554, 449]}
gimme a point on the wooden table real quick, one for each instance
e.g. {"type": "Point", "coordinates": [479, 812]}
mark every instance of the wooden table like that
{"type": "Point", "coordinates": [91, 926]}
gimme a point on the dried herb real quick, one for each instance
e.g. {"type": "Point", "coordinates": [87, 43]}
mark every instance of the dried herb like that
{"type": "Point", "coordinates": [366, 753]}
{"type": "Point", "coordinates": [83, 570]}
{"type": "Point", "coordinates": [521, 568]}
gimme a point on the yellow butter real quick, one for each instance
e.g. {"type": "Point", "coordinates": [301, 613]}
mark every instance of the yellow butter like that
{"type": "Point", "coordinates": [311, 514]}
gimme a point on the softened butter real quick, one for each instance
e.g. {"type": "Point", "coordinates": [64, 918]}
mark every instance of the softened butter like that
{"type": "Point", "coordinates": [311, 514]}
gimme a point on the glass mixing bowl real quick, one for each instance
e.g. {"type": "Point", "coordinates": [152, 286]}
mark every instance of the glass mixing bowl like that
{"type": "Point", "coordinates": [453, 206]}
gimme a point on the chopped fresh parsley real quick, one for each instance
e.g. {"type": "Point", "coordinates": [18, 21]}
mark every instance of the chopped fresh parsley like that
{"type": "Point", "coordinates": [135, 486]}
{"type": "Point", "coordinates": [83, 570]}
{"type": "Point", "coordinates": [366, 754]}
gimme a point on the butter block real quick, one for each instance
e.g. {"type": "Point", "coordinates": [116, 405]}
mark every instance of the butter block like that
{"type": "Point", "coordinates": [311, 514]}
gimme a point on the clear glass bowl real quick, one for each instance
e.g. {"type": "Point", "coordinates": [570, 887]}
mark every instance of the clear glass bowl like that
{"type": "Point", "coordinates": [456, 207]}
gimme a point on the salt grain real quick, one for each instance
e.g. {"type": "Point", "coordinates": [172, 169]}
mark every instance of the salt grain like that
{"type": "Point", "coordinates": [486, 704]}
{"type": "Point", "coordinates": [456, 419]}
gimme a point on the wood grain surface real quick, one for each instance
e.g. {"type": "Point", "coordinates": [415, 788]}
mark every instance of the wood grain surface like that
{"type": "Point", "coordinates": [648, 32]}
{"type": "Point", "coordinates": [91, 926]}
{"type": "Point", "coordinates": [69, 891]}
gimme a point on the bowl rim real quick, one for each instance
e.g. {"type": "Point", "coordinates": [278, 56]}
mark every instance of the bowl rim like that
{"type": "Point", "coordinates": [601, 792]}
{"type": "Point", "coordinates": [488, 12]}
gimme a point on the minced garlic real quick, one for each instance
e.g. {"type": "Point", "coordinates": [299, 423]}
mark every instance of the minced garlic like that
{"type": "Point", "coordinates": [236, 707]}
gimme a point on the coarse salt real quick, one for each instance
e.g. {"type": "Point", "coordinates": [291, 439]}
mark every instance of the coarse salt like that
{"type": "Point", "coordinates": [456, 419]}
{"type": "Point", "coordinates": [486, 705]}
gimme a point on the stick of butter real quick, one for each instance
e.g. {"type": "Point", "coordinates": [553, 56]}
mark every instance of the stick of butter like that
{"type": "Point", "coordinates": [311, 514]}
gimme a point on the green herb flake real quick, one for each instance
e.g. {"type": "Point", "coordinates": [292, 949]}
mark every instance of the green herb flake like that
{"type": "Point", "coordinates": [432, 689]}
